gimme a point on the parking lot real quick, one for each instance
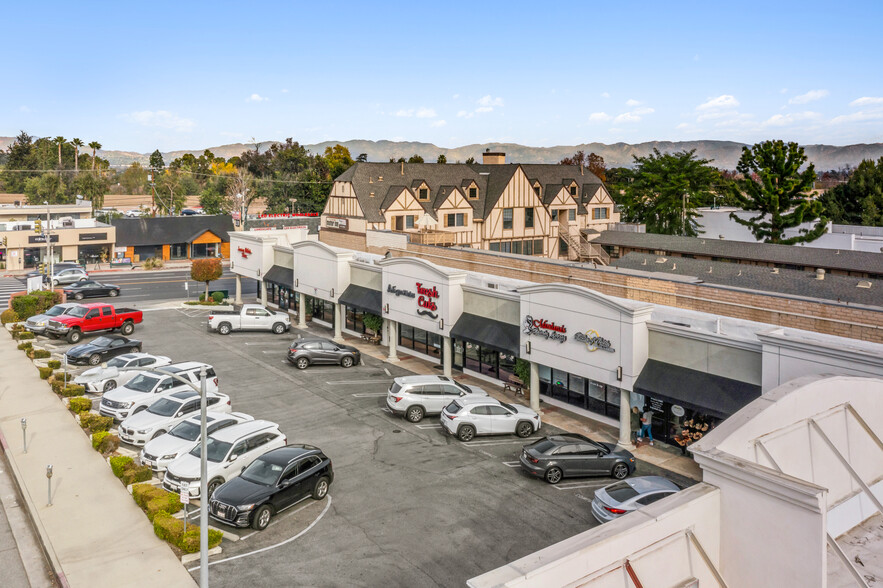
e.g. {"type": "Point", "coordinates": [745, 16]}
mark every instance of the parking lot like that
{"type": "Point", "coordinates": [409, 505]}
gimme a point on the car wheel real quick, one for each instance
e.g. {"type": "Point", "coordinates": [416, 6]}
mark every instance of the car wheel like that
{"type": "Point", "coordinates": [113, 293]}
{"type": "Point", "coordinates": [553, 475]}
{"type": "Point", "coordinates": [620, 471]}
{"type": "Point", "coordinates": [128, 328]}
{"type": "Point", "coordinates": [78, 296]}
{"type": "Point", "coordinates": [94, 359]}
{"type": "Point", "coordinates": [302, 363]}
{"type": "Point", "coordinates": [224, 328]}
{"type": "Point", "coordinates": [320, 490]}
{"type": "Point", "coordinates": [524, 429]}
{"type": "Point", "coordinates": [466, 433]}
{"type": "Point", "coordinates": [157, 434]}
{"type": "Point", "coordinates": [279, 328]}
{"type": "Point", "coordinates": [415, 414]}
{"type": "Point", "coordinates": [262, 518]}
{"type": "Point", "coordinates": [74, 336]}
{"type": "Point", "coordinates": [54, 282]}
{"type": "Point", "coordinates": [82, 280]}
{"type": "Point", "coordinates": [214, 485]}
{"type": "Point", "coordinates": [108, 386]}
{"type": "Point", "coordinates": [347, 361]}
{"type": "Point", "coordinates": [136, 349]}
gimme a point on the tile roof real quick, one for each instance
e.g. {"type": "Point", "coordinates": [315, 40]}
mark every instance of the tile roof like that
{"type": "Point", "coordinates": [756, 277]}
{"type": "Point", "coordinates": [165, 230]}
{"type": "Point", "coordinates": [815, 257]}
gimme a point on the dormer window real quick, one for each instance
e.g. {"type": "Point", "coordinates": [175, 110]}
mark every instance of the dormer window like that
{"type": "Point", "coordinates": [423, 193]}
{"type": "Point", "coordinates": [536, 189]}
{"type": "Point", "coordinates": [473, 193]}
{"type": "Point", "coordinates": [573, 189]}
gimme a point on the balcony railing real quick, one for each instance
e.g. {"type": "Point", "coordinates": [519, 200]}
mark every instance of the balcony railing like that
{"type": "Point", "coordinates": [439, 238]}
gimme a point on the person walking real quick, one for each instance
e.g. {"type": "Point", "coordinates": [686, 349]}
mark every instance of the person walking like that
{"type": "Point", "coordinates": [635, 424]}
{"type": "Point", "coordinates": [646, 422]}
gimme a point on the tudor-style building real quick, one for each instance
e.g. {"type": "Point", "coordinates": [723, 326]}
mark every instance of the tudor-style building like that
{"type": "Point", "coordinates": [531, 209]}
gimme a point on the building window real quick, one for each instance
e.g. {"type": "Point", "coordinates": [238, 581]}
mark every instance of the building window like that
{"type": "Point", "coordinates": [398, 223]}
{"type": "Point", "coordinates": [571, 214]}
{"type": "Point", "coordinates": [537, 247]}
{"type": "Point", "coordinates": [555, 216]}
{"type": "Point", "coordinates": [599, 213]}
{"type": "Point", "coordinates": [420, 340]}
{"type": "Point", "coordinates": [354, 320]}
{"type": "Point", "coordinates": [573, 190]}
{"type": "Point", "coordinates": [562, 248]}
{"type": "Point", "coordinates": [409, 221]}
{"type": "Point", "coordinates": [455, 220]}
{"type": "Point", "coordinates": [473, 193]}
{"type": "Point", "coordinates": [528, 218]}
{"type": "Point", "coordinates": [527, 247]}
{"type": "Point", "coordinates": [424, 193]}
{"type": "Point", "coordinates": [536, 189]}
{"type": "Point", "coordinates": [204, 250]}
{"type": "Point", "coordinates": [507, 218]}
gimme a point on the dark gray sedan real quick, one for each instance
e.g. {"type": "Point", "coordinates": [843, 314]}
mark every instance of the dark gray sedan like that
{"type": "Point", "coordinates": [305, 352]}
{"type": "Point", "coordinates": [572, 455]}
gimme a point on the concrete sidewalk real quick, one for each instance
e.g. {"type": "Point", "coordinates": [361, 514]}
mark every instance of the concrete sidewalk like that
{"type": "Point", "coordinates": [94, 534]}
{"type": "Point", "coordinates": [101, 268]}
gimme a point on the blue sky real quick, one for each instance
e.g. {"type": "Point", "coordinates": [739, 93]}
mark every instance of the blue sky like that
{"type": "Point", "coordinates": [187, 75]}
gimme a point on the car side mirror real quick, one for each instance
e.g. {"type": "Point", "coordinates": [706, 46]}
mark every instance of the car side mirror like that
{"type": "Point", "coordinates": [234, 457]}
{"type": "Point", "coordinates": [285, 483]}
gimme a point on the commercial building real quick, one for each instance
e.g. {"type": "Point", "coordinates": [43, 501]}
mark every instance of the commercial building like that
{"type": "Point", "coordinates": [173, 237]}
{"type": "Point", "coordinates": [73, 233]}
{"type": "Point", "coordinates": [528, 209]}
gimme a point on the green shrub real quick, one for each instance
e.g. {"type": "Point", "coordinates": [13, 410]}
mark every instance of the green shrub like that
{"type": "Point", "coordinates": [24, 306]}
{"type": "Point", "coordinates": [56, 385]}
{"type": "Point", "coordinates": [25, 346]}
{"type": "Point", "coordinates": [44, 372]}
{"type": "Point", "coordinates": [98, 437]}
{"type": "Point", "coordinates": [54, 364]}
{"type": "Point", "coordinates": [218, 297]}
{"type": "Point", "coordinates": [202, 297]}
{"type": "Point", "coordinates": [167, 502]}
{"type": "Point", "coordinates": [108, 444]}
{"type": "Point", "coordinates": [18, 328]}
{"type": "Point", "coordinates": [118, 465]}
{"type": "Point", "coordinates": [25, 336]}
{"type": "Point", "coordinates": [190, 541]}
{"type": "Point", "coordinates": [144, 493]}
{"type": "Point", "coordinates": [136, 474]}
{"type": "Point", "coordinates": [373, 322]}
{"type": "Point", "coordinates": [61, 377]}
{"type": "Point", "coordinates": [94, 422]}
{"type": "Point", "coordinates": [74, 390]}
{"type": "Point", "coordinates": [168, 528]}
{"type": "Point", "coordinates": [78, 405]}
{"type": "Point", "coordinates": [41, 354]}
{"type": "Point", "coordinates": [8, 316]}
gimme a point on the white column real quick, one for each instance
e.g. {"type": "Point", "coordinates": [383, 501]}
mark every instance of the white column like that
{"type": "Point", "coordinates": [625, 426]}
{"type": "Point", "coordinates": [392, 339]}
{"type": "Point", "coordinates": [447, 357]}
{"type": "Point", "coordinates": [535, 386]}
{"type": "Point", "coordinates": [302, 311]}
{"type": "Point", "coordinates": [338, 335]}
{"type": "Point", "coordinates": [238, 299]}
{"type": "Point", "coordinates": [263, 293]}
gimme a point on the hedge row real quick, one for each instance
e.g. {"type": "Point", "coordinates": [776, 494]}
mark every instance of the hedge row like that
{"type": "Point", "coordinates": [171, 529]}
{"type": "Point", "coordinates": [8, 316]}
{"type": "Point", "coordinates": [26, 346]}
{"type": "Point", "coordinates": [105, 443]}
{"type": "Point", "coordinates": [45, 372]}
{"type": "Point", "coordinates": [54, 364]}
{"type": "Point", "coordinates": [95, 422]}
{"type": "Point", "coordinates": [36, 302]}
{"type": "Point", "coordinates": [78, 405]}
{"type": "Point", "coordinates": [154, 500]}
{"type": "Point", "coordinates": [127, 471]}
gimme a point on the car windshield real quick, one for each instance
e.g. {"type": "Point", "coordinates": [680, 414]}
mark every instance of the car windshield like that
{"type": "Point", "coordinates": [262, 472]}
{"type": "Point", "coordinates": [79, 311]}
{"type": "Point", "coordinates": [620, 492]}
{"type": "Point", "coordinates": [117, 362]}
{"type": "Point", "coordinates": [102, 341]}
{"type": "Point", "coordinates": [56, 310]}
{"type": "Point", "coordinates": [216, 450]}
{"type": "Point", "coordinates": [461, 387]}
{"type": "Point", "coordinates": [186, 430]}
{"type": "Point", "coordinates": [164, 407]}
{"type": "Point", "coordinates": [142, 383]}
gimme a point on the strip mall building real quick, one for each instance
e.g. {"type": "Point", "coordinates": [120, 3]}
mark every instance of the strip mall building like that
{"type": "Point", "coordinates": [591, 353]}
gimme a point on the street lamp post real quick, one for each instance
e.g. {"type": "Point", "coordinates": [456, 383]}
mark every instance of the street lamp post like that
{"type": "Point", "coordinates": [203, 487]}
{"type": "Point", "coordinates": [48, 234]}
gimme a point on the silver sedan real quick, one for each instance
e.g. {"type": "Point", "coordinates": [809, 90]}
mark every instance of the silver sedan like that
{"type": "Point", "coordinates": [615, 500]}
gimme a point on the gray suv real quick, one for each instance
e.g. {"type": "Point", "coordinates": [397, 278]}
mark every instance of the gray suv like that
{"type": "Point", "coordinates": [417, 396]}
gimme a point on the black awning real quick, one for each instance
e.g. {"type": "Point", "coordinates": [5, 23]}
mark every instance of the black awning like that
{"type": "Point", "coordinates": [487, 333]}
{"type": "Point", "coordinates": [713, 395]}
{"type": "Point", "coordinates": [280, 275]}
{"type": "Point", "coordinates": [362, 298]}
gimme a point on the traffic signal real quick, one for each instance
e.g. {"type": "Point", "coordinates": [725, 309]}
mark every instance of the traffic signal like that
{"type": "Point", "coordinates": [41, 268]}
{"type": "Point", "coordinates": [5, 240]}
{"type": "Point", "coordinates": [38, 227]}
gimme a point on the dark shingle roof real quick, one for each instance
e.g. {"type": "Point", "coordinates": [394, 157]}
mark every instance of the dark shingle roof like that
{"type": "Point", "coordinates": [815, 257]}
{"type": "Point", "coordinates": [756, 277]}
{"type": "Point", "coordinates": [165, 230]}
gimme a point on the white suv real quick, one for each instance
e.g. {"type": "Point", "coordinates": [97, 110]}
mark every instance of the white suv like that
{"type": "Point", "coordinates": [417, 396]}
{"type": "Point", "coordinates": [228, 452]}
{"type": "Point", "coordinates": [160, 452]}
{"type": "Point", "coordinates": [118, 371]}
{"type": "Point", "coordinates": [468, 417]}
{"type": "Point", "coordinates": [145, 388]}
{"type": "Point", "coordinates": [167, 412]}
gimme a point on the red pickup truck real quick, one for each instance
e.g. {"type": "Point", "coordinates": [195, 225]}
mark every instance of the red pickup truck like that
{"type": "Point", "coordinates": [93, 317]}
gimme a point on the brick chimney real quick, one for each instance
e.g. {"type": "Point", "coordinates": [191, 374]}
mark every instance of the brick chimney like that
{"type": "Point", "coordinates": [493, 158]}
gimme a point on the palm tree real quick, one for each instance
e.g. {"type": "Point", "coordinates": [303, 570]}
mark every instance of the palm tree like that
{"type": "Point", "coordinates": [60, 141]}
{"type": "Point", "coordinates": [77, 143]}
{"type": "Point", "coordinates": [95, 145]}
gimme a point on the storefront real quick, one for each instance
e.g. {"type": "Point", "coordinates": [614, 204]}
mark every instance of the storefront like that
{"type": "Point", "coordinates": [175, 237]}
{"type": "Point", "coordinates": [358, 300]}
{"type": "Point", "coordinates": [321, 276]}
{"type": "Point", "coordinates": [279, 285]}
{"type": "Point", "coordinates": [485, 346]}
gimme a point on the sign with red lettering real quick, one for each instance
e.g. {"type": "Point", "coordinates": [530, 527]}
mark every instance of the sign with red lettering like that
{"type": "Point", "coordinates": [426, 298]}
{"type": "Point", "coordinates": [244, 252]}
{"type": "Point", "coordinates": [544, 328]}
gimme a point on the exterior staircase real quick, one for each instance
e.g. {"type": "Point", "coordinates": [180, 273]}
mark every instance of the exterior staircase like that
{"type": "Point", "coordinates": [578, 247]}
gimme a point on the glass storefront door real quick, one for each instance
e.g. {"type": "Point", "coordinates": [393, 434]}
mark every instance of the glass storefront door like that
{"type": "Point", "coordinates": [581, 392]}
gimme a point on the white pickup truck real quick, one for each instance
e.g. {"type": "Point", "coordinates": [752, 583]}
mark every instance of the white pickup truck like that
{"type": "Point", "coordinates": [250, 317]}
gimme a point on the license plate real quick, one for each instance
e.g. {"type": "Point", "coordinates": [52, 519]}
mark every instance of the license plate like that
{"type": "Point", "coordinates": [222, 510]}
{"type": "Point", "coordinates": [148, 462]}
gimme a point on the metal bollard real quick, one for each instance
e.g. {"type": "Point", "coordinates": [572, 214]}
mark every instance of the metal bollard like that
{"type": "Point", "coordinates": [24, 435]}
{"type": "Point", "coordinates": [49, 481]}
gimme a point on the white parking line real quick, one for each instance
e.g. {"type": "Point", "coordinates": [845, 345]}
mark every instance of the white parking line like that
{"type": "Point", "coordinates": [267, 343]}
{"type": "Point", "coordinates": [578, 485]}
{"type": "Point", "coordinates": [358, 382]}
{"type": "Point", "coordinates": [429, 426]}
{"type": "Point", "coordinates": [278, 518]}
{"type": "Point", "coordinates": [487, 443]}
{"type": "Point", "coordinates": [387, 372]}
{"type": "Point", "coordinates": [511, 464]}
{"type": "Point", "coordinates": [365, 394]}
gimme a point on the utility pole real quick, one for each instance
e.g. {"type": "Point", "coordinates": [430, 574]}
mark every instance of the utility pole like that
{"type": "Point", "coordinates": [684, 216]}
{"type": "Point", "coordinates": [48, 235]}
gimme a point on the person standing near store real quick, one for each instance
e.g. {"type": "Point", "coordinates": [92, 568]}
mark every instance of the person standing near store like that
{"type": "Point", "coordinates": [646, 421]}
{"type": "Point", "coordinates": [636, 424]}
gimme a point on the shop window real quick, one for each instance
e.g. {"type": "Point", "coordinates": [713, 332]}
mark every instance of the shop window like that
{"type": "Point", "coordinates": [434, 344]}
{"type": "Point", "coordinates": [516, 247]}
{"type": "Point", "coordinates": [506, 366]}
{"type": "Point", "coordinates": [528, 218]}
{"type": "Point", "coordinates": [198, 250]}
{"type": "Point", "coordinates": [473, 357]}
{"type": "Point", "coordinates": [489, 362]}
{"type": "Point", "coordinates": [354, 320]}
{"type": "Point", "coordinates": [507, 218]}
{"type": "Point", "coordinates": [494, 246]}
{"type": "Point", "coordinates": [406, 336]}
{"type": "Point", "coordinates": [178, 251]}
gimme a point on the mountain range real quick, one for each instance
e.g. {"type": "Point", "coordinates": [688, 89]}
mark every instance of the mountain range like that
{"type": "Point", "coordinates": [724, 154]}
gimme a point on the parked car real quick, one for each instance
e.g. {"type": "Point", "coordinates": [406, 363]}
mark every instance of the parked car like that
{"type": "Point", "coordinates": [105, 347]}
{"type": "Point", "coordinates": [134, 213]}
{"type": "Point", "coordinates": [167, 412]}
{"type": "Point", "coordinates": [228, 452]}
{"type": "Point", "coordinates": [469, 416]}
{"type": "Point", "coordinates": [249, 317]}
{"type": "Point", "coordinates": [88, 318]}
{"type": "Point", "coordinates": [158, 453]}
{"type": "Point", "coordinates": [417, 396]}
{"type": "Point", "coordinates": [118, 371]}
{"type": "Point", "coordinates": [91, 289]}
{"type": "Point", "coordinates": [615, 500]}
{"type": "Point", "coordinates": [37, 324]}
{"type": "Point", "coordinates": [275, 481]}
{"type": "Point", "coordinates": [571, 455]}
{"type": "Point", "coordinates": [305, 352]}
{"type": "Point", "coordinates": [69, 275]}
{"type": "Point", "coordinates": [147, 387]}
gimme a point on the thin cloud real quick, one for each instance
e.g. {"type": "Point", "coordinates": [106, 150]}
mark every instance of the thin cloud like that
{"type": "Point", "coordinates": [421, 112]}
{"type": "Point", "coordinates": [465, 114]}
{"type": "Point", "coordinates": [438, 123]}
{"type": "Point", "coordinates": [723, 101]}
{"type": "Point", "coordinates": [489, 101]}
{"type": "Point", "coordinates": [605, 94]}
{"type": "Point", "coordinates": [599, 117]}
{"type": "Point", "coordinates": [633, 116]}
{"type": "Point", "coordinates": [783, 120]}
{"type": "Point", "coordinates": [162, 119]}
{"type": "Point", "coordinates": [810, 96]}
{"type": "Point", "coordinates": [285, 90]}
{"type": "Point", "coordinates": [455, 96]}
{"type": "Point", "coordinates": [861, 115]}
{"type": "Point", "coordinates": [257, 98]}
{"type": "Point", "coordinates": [867, 101]}
{"type": "Point", "coordinates": [483, 109]}
{"type": "Point", "coordinates": [632, 102]}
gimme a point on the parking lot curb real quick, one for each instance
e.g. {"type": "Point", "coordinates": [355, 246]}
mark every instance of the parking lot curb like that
{"type": "Point", "coordinates": [192, 557]}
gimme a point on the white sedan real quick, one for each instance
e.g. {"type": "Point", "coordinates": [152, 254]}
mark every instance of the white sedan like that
{"type": "Point", "coordinates": [167, 412]}
{"type": "Point", "coordinates": [118, 371]}
{"type": "Point", "coordinates": [158, 453]}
